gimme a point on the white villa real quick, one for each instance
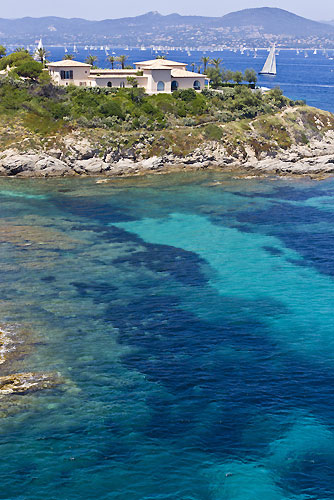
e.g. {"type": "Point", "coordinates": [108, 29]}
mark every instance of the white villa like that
{"type": "Point", "coordinates": [157, 75]}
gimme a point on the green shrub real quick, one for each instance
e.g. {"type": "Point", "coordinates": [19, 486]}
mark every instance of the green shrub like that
{"type": "Point", "coordinates": [213, 132]}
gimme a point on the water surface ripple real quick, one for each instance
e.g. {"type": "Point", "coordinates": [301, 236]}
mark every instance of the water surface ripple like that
{"type": "Point", "coordinates": [192, 316]}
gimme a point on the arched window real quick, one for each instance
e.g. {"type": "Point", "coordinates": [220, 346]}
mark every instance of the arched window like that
{"type": "Point", "coordinates": [197, 85]}
{"type": "Point", "coordinates": [175, 85]}
{"type": "Point", "coordinates": [122, 85]}
{"type": "Point", "coordinates": [160, 87]}
{"type": "Point", "coordinates": [109, 84]}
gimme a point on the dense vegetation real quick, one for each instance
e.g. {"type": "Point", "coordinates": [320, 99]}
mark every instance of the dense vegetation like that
{"type": "Point", "coordinates": [28, 94]}
{"type": "Point", "coordinates": [43, 105]}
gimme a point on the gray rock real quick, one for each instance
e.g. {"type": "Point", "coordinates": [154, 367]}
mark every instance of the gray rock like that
{"type": "Point", "coordinates": [93, 166]}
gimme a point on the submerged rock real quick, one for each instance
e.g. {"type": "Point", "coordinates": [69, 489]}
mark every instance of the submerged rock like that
{"type": "Point", "coordinates": [21, 383]}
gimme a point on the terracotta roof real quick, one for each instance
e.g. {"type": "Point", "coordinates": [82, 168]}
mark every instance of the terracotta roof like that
{"type": "Point", "coordinates": [163, 62]}
{"type": "Point", "coordinates": [68, 63]}
{"type": "Point", "coordinates": [179, 73]}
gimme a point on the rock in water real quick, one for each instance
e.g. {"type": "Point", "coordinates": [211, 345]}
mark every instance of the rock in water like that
{"type": "Point", "coordinates": [21, 383]}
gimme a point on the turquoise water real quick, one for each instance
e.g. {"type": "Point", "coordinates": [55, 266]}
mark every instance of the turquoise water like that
{"type": "Point", "coordinates": [192, 318]}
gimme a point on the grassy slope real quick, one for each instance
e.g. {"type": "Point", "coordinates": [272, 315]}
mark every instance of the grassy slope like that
{"type": "Point", "coordinates": [265, 133]}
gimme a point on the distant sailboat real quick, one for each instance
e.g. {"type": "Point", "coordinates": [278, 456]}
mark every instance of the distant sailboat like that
{"type": "Point", "coordinates": [75, 50]}
{"type": "Point", "coordinates": [269, 67]}
{"type": "Point", "coordinates": [65, 49]}
{"type": "Point", "coordinates": [39, 47]}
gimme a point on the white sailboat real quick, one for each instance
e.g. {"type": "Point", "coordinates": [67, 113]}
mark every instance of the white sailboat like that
{"type": "Point", "coordinates": [269, 67]}
{"type": "Point", "coordinates": [39, 46]}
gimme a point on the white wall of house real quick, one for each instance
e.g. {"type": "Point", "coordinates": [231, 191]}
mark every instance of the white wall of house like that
{"type": "Point", "coordinates": [155, 79]}
{"type": "Point", "coordinates": [116, 81]}
{"type": "Point", "coordinates": [158, 80]}
{"type": "Point", "coordinates": [80, 75]}
{"type": "Point", "coordinates": [188, 82]}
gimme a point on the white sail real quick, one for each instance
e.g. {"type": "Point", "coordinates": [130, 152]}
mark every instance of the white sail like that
{"type": "Point", "coordinates": [36, 53]}
{"type": "Point", "coordinates": [269, 67]}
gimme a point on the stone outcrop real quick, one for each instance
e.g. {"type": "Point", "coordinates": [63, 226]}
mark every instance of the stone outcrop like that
{"type": "Point", "coordinates": [31, 165]}
{"type": "Point", "coordinates": [306, 148]}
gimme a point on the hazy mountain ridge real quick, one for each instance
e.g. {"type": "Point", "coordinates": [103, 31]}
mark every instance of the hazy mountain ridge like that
{"type": "Point", "coordinates": [245, 26]}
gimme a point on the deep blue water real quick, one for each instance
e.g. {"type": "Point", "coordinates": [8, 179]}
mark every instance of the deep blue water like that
{"type": "Point", "coordinates": [310, 78]}
{"type": "Point", "coordinates": [193, 318]}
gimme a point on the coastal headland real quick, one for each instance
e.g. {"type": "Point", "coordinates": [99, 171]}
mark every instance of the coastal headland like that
{"type": "Point", "coordinates": [295, 141]}
{"type": "Point", "coordinates": [48, 130]}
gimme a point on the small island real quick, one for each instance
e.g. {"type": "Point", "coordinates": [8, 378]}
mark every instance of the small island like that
{"type": "Point", "coordinates": [55, 130]}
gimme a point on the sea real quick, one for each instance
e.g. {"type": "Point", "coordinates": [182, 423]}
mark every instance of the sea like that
{"type": "Point", "coordinates": [190, 316]}
{"type": "Point", "coordinates": [301, 74]}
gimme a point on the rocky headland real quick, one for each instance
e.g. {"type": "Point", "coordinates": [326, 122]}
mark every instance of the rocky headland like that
{"type": "Point", "coordinates": [295, 141]}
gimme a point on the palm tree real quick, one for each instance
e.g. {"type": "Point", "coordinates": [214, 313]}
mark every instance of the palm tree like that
{"type": "Point", "coordinates": [199, 67]}
{"type": "Point", "coordinates": [68, 57]}
{"type": "Point", "coordinates": [160, 57]}
{"type": "Point", "coordinates": [111, 59]}
{"type": "Point", "coordinates": [91, 60]}
{"type": "Point", "coordinates": [42, 54]}
{"type": "Point", "coordinates": [216, 62]}
{"type": "Point", "coordinates": [205, 60]}
{"type": "Point", "coordinates": [192, 67]}
{"type": "Point", "coordinates": [122, 60]}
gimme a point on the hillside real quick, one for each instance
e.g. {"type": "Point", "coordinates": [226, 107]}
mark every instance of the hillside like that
{"type": "Point", "coordinates": [253, 26]}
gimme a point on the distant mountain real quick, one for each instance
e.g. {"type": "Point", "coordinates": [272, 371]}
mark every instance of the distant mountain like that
{"type": "Point", "coordinates": [258, 27]}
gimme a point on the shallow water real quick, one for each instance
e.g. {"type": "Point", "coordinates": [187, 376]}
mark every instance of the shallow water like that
{"type": "Point", "coordinates": [192, 316]}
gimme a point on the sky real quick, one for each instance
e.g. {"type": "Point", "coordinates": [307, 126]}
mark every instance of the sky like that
{"type": "Point", "coordinates": [106, 9]}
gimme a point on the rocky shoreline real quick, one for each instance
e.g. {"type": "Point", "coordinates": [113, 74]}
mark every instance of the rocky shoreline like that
{"type": "Point", "coordinates": [310, 151]}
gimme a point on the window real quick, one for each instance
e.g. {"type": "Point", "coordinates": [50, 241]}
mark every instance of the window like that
{"type": "Point", "coordinates": [66, 75]}
{"type": "Point", "coordinates": [197, 85]}
{"type": "Point", "coordinates": [160, 87]}
{"type": "Point", "coordinates": [175, 85]}
{"type": "Point", "coordinates": [109, 84]}
{"type": "Point", "coordinates": [122, 85]}
{"type": "Point", "coordinates": [83, 84]}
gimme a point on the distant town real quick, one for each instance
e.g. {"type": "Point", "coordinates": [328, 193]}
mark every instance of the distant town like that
{"type": "Point", "coordinates": [249, 29]}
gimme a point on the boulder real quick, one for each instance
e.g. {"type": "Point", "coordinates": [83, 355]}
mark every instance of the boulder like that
{"type": "Point", "coordinates": [93, 166]}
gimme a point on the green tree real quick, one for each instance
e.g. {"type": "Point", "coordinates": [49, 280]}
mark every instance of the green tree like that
{"type": "Point", "coordinates": [111, 59]}
{"type": "Point", "coordinates": [42, 55]}
{"type": "Point", "coordinates": [250, 76]}
{"type": "Point", "coordinates": [192, 67]}
{"type": "Point", "coordinates": [2, 51]}
{"type": "Point", "coordinates": [160, 57]}
{"type": "Point", "coordinates": [91, 60]}
{"type": "Point", "coordinates": [68, 57]}
{"type": "Point", "coordinates": [215, 77]}
{"type": "Point", "coordinates": [205, 60]}
{"type": "Point", "coordinates": [199, 67]}
{"type": "Point", "coordinates": [122, 59]}
{"type": "Point", "coordinates": [216, 62]}
{"type": "Point", "coordinates": [132, 81]}
{"type": "Point", "coordinates": [238, 77]}
{"type": "Point", "coordinates": [228, 75]}
{"type": "Point", "coordinates": [29, 69]}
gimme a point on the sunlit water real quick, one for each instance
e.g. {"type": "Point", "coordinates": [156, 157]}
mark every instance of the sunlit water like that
{"type": "Point", "coordinates": [194, 323]}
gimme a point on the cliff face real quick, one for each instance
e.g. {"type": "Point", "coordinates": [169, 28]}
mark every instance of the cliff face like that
{"type": "Point", "coordinates": [298, 140]}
